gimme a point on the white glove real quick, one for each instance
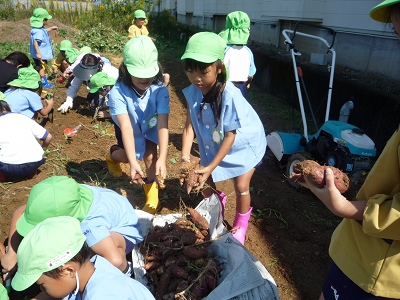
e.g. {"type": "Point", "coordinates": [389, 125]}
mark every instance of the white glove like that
{"type": "Point", "coordinates": [66, 105]}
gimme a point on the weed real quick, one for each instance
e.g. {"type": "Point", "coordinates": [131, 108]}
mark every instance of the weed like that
{"type": "Point", "coordinates": [321, 221]}
{"type": "Point", "coordinates": [103, 130]}
{"type": "Point", "coordinates": [265, 213]}
{"type": "Point", "coordinates": [272, 264]}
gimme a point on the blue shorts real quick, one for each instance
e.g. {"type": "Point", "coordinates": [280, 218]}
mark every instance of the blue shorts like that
{"type": "Point", "coordinates": [38, 63]}
{"type": "Point", "coordinates": [118, 136]}
{"type": "Point", "coordinates": [21, 171]}
{"type": "Point", "coordinates": [338, 286]}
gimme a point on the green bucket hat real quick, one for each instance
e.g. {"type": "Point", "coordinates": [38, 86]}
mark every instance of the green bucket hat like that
{"type": "Point", "coordinates": [27, 78]}
{"type": "Point", "coordinates": [99, 80]}
{"type": "Point", "coordinates": [3, 97]}
{"type": "Point", "coordinates": [53, 197]}
{"type": "Point", "coordinates": [140, 57]}
{"type": "Point", "coordinates": [139, 14]}
{"type": "Point", "coordinates": [39, 14]}
{"type": "Point", "coordinates": [52, 243]}
{"type": "Point", "coordinates": [381, 12]}
{"type": "Point", "coordinates": [85, 49]}
{"type": "Point", "coordinates": [237, 27]}
{"type": "Point", "coordinates": [71, 55]}
{"type": "Point", "coordinates": [65, 44]}
{"type": "Point", "coordinates": [206, 47]}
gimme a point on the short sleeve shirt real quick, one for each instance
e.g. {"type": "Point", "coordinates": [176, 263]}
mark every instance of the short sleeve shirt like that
{"type": "Point", "coordinates": [237, 114]}
{"type": "Point", "coordinates": [23, 101]}
{"type": "Point", "coordinates": [18, 144]}
{"type": "Point", "coordinates": [142, 111]}
{"type": "Point", "coordinates": [42, 37]}
{"type": "Point", "coordinates": [107, 282]}
{"type": "Point", "coordinates": [110, 212]}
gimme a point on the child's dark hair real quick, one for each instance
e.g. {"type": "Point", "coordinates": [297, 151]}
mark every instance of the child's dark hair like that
{"type": "Point", "coordinates": [125, 77]}
{"type": "Point", "coordinates": [4, 107]}
{"type": "Point", "coordinates": [92, 60]}
{"type": "Point", "coordinates": [82, 256]}
{"type": "Point", "coordinates": [214, 96]}
{"type": "Point", "coordinates": [18, 59]}
{"type": "Point", "coordinates": [393, 11]}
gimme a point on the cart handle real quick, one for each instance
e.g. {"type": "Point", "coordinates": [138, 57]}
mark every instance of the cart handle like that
{"type": "Point", "coordinates": [330, 30]}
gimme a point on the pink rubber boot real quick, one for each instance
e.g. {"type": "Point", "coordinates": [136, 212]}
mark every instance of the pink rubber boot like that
{"type": "Point", "coordinates": [241, 222]}
{"type": "Point", "coordinates": [222, 198]}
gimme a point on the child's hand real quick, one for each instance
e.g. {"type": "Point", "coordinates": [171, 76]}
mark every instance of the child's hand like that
{"type": "Point", "coordinates": [54, 28]}
{"type": "Point", "coordinates": [136, 173]}
{"type": "Point", "coordinates": [205, 172]}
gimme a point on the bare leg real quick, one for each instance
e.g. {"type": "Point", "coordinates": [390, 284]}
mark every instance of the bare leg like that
{"type": "Point", "coordinates": [150, 159]}
{"type": "Point", "coordinates": [242, 189]}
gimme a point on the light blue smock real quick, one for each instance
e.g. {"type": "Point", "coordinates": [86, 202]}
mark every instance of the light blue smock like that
{"type": "Point", "coordinates": [110, 212]}
{"type": "Point", "coordinates": [109, 283]}
{"type": "Point", "coordinates": [43, 39]}
{"type": "Point", "coordinates": [236, 114]}
{"type": "Point", "coordinates": [142, 111]}
{"type": "Point", "coordinates": [23, 101]}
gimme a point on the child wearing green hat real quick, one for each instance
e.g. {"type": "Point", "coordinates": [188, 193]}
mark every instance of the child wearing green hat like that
{"type": "Point", "coordinates": [56, 256]}
{"type": "Point", "coordinates": [20, 153]}
{"type": "Point", "coordinates": [238, 58]}
{"type": "Point", "coordinates": [40, 48]}
{"type": "Point", "coordinates": [365, 247]}
{"type": "Point", "coordinates": [107, 219]}
{"type": "Point", "coordinates": [85, 66]}
{"type": "Point", "coordinates": [226, 126]}
{"type": "Point", "coordinates": [138, 26]}
{"type": "Point", "coordinates": [101, 84]}
{"type": "Point", "coordinates": [60, 62]}
{"type": "Point", "coordinates": [24, 94]}
{"type": "Point", "coordinates": [139, 106]}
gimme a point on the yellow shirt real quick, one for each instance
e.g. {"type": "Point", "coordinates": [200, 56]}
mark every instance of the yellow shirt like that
{"type": "Point", "coordinates": [369, 254]}
{"type": "Point", "coordinates": [135, 31]}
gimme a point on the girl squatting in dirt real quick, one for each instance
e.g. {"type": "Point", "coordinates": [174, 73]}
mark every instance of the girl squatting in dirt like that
{"type": "Point", "coordinates": [229, 132]}
{"type": "Point", "coordinates": [139, 106]}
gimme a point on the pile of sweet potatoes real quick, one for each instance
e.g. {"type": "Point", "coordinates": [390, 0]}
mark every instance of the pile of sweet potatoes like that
{"type": "Point", "coordinates": [177, 261]}
{"type": "Point", "coordinates": [315, 174]}
{"type": "Point", "coordinates": [188, 178]}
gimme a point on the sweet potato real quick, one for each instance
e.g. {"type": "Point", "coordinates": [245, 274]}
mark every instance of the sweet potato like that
{"type": "Point", "coordinates": [188, 177]}
{"type": "Point", "coordinates": [195, 252]}
{"type": "Point", "coordinates": [188, 238]}
{"type": "Point", "coordinates": [160, 181]}
{"type": "Point", "coordinates": [178, 272]}
{"type": "Point", "coordinates": [315, 174]}
{"type": "Point", "coordinates": [198, 219]}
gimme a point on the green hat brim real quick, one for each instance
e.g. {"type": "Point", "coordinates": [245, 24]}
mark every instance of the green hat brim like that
{"type": "Point", "coordinates": [143, 73]}
{"type": "Point", "coordinates": [86, 195]}
{"type": "Point", "coordinates": [380, 12]}
{"type": "Point", "coordinates": [20, 283]}
{"type": "Point", "coordinates": [26, 84]}
{"type": "Point", "coordinates": [204, 58]}
{"type": "Point", "coordinates": [110, 82]}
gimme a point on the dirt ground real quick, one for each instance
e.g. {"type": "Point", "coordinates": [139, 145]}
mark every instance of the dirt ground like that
{"type": "Point", "coordinates": [289, 230]}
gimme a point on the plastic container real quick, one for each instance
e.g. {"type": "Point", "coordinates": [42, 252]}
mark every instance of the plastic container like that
{"type": "Point", "coordinates": [68, 132]}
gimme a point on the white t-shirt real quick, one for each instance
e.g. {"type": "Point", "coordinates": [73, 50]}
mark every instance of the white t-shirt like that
{"type": "Point", "coordinates": [238, 60]}
{"type": "Point", "coordinates": [18, 139]}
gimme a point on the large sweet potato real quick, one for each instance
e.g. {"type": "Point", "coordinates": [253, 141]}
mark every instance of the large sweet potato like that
{"type": "Point", "coordinates": [315, 174]}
